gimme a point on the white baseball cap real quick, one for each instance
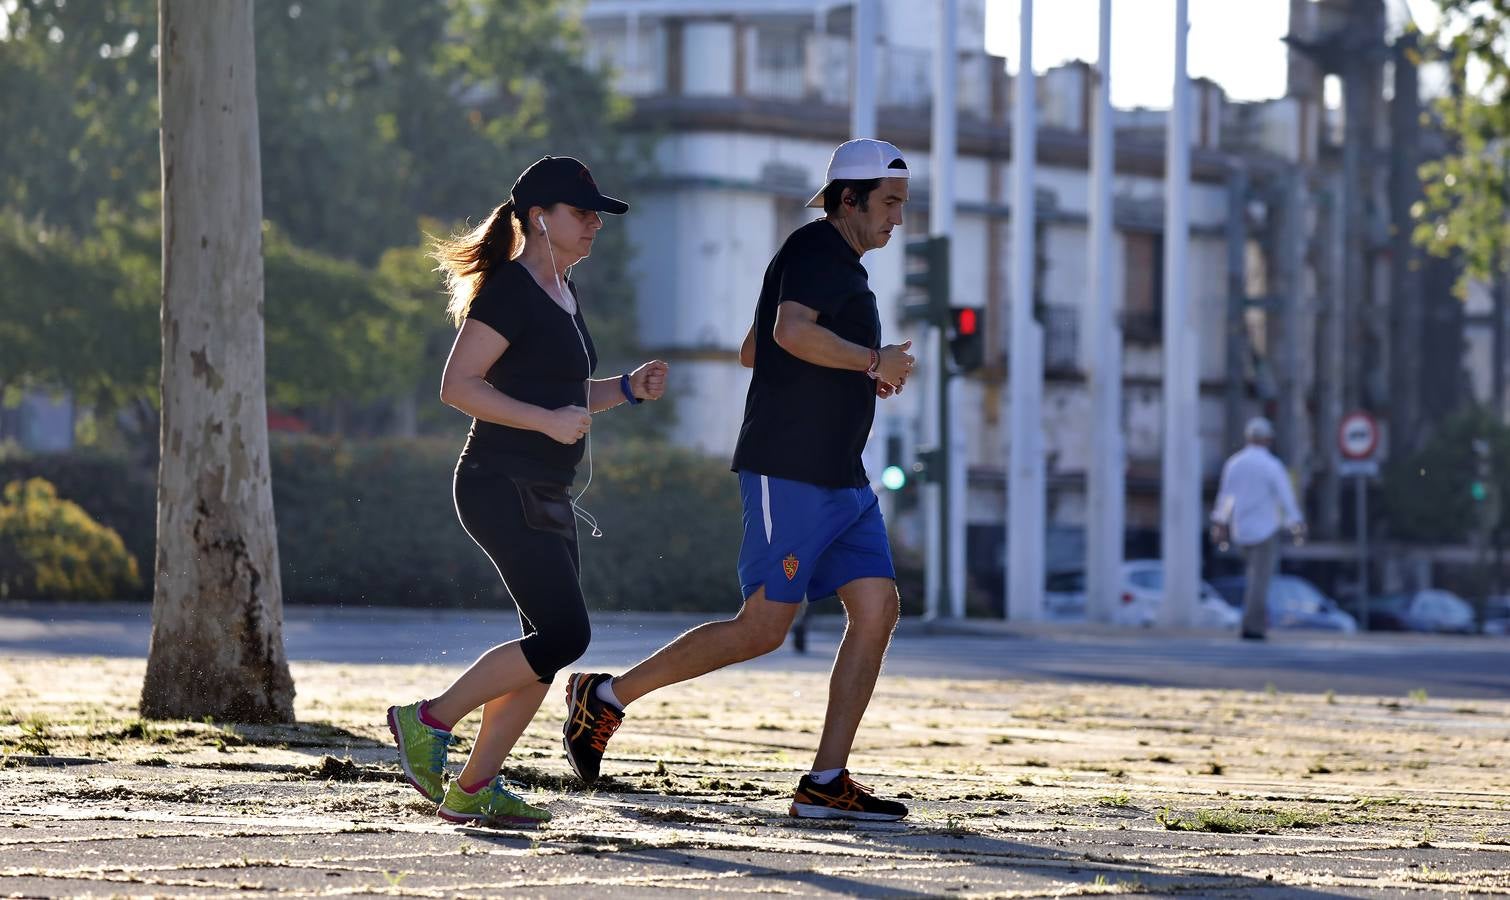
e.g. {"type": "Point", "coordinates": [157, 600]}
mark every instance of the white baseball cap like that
{"type": "Point", "coordinates": [861, 160]}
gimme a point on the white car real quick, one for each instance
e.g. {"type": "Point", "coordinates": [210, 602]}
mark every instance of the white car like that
{"type": "Point", "coordinates": [1138, 600]}
{"type": "Point", "coordinates": [1441, 611]}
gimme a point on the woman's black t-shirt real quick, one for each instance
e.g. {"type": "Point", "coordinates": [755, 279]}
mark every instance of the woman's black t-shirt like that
{"type": "Point", "coordinates": [806, 422]}
{"type": "Point", "coordinates": [549, 359]}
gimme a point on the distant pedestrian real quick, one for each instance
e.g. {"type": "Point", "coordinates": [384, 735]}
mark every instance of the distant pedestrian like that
{"type": "Point", "coordinates": [812, 524]}
{"type": "Point", "coordinates": [1254, 502]}
{"type": "Point", "coordinates": [522, 368]}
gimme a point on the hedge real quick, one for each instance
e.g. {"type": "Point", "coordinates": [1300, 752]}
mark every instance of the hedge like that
{"type": "Point", "coordinates": [372, 523]}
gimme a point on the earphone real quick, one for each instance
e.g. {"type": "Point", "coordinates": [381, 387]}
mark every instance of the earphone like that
{"type": "Point", "coordinates": [581, 513]}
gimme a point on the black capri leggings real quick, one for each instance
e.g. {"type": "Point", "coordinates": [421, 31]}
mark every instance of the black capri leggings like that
{"type": "Point", "coordinates": [527, 528]}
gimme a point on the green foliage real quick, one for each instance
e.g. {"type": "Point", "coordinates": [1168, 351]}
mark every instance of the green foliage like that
{"type": "Point", "coordinates": [80, 314]}
{"type": "Point", "coordinates": [1428, 495]}
{"type": "Point", "coordinates": [50, 547]}
{"type": "Point", "coordinates": [79, 109]}
{"type": "Point", "coordinates": [120, 495]}
{"type": "Point", "coordinates": [1466, 209]}
{"type": "Point", "coordinates": [374, 115]}
{"type": "Point", "coordinates": [373, 523]}
{"type": "Point", "coordinates": [335, 331]}
{"type": "Point", "coordinates": [372, 112]}
{"type": "Point", "coordinates": [671, 522]}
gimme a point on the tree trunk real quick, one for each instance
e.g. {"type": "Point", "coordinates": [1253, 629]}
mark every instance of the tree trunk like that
{"type": "Point", "coordinates": [217, 629]}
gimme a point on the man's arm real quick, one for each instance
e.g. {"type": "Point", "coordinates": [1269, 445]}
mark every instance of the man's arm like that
{"type": "Point", "coordinates": [797, 332]}
{"type": "Point", "coordinates": [1286, 495]}
{"type": "Point", "coordinates": [1221, 512]}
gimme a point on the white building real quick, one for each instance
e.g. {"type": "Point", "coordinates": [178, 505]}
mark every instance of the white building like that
{"type": "Point", "coordinates": [747, 98]}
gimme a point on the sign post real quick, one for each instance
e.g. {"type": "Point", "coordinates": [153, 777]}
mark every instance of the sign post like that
{"type": "Point", "coordinates": [1358, 441]}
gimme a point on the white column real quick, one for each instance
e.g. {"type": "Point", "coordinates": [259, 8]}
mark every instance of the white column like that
{"type": "Point", "coordinates": [1025, 481]}
{"type": "Point", "coordinates": [862, 110]}
{"type": "Point", "coordinates": [941, 222]}
{"type": "Point", "coordinates": [1181, 529]}
{"type": "Point", "coordinates": [1106, 495]}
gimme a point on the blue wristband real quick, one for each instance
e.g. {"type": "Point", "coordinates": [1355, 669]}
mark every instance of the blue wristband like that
{"type": "Point", "coordinates": [628, 394]}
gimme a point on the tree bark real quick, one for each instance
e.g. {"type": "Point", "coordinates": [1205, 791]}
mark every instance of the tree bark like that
{"type": "Point", "coordinates": [217, 641]}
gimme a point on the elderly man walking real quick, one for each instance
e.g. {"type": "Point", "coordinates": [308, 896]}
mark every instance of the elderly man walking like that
{"type": "Point", "coordinates": [1255, 499]}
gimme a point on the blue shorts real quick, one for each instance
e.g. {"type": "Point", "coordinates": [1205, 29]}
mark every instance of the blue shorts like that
{"type": "Point", "coordinates": [804, 540]}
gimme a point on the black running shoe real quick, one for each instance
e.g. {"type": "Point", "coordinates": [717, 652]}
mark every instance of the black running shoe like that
{"type": "Point", "coordinates": [842, 798]}
{"type": "Point", "coordinates": [589, 724]}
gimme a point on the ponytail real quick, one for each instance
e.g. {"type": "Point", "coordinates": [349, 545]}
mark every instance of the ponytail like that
{"type": "Point", "coordinates": [466, 259]}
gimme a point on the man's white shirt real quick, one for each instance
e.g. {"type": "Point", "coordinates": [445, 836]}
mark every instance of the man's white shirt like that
{"type": "Point", "coordinates": [1255, 493]}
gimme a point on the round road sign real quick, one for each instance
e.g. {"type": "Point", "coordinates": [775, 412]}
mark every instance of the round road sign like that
{"type": "Point", "coordinates": [1358, 435]}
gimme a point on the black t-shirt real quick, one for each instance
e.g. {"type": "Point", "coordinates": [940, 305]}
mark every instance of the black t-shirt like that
{"type": "Point", "coordinates": [805, 422]}
{"type": "Point", "coordinates": [545, 365]}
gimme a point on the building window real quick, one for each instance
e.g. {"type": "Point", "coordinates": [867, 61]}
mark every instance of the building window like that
{"type": "Point", "coordinates": [778, 65]}
{"type": "Point", "coordinates": [1143, 286]}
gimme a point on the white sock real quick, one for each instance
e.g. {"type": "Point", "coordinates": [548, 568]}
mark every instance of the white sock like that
{"type": "Point", "coordinates": [605, 693]}
{"type": "Point", "coordinates": [823, 776]}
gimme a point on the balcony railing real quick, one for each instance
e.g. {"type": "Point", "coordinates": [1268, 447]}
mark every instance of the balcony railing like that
{"type": "Point", "coordinates": [785, 63]}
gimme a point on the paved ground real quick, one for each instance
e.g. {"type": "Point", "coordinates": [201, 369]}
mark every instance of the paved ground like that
{"type": "Point", "coordinates": [1292, 661]}
{"type": "Point", "coordinates": [1036, 765]}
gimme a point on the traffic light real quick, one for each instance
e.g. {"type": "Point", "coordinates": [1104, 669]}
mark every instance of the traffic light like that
{"type": "Point", "coordinates": [965, 341]}
{"type": "Point", "coordinates": [929, 464]}
{"type": "Point", "coordinates": [1478, 489]}
{"type": "Point", "coordinates": [894, 476]}
{"type": "Point", "coordinates": [928, 278]}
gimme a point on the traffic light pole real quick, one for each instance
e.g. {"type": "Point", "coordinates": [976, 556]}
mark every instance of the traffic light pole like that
{"type": "Point", "coordinates": [1360, 489]}
{"type": "Point", "coordinates": [945, 468]}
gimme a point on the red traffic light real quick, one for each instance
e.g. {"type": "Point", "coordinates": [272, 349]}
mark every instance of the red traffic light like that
{"type": "Point", "coordinates": [966, 320]}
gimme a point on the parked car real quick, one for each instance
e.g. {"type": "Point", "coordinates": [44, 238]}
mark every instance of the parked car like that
{"type": "Point", "coordinates": [1497, 616]}
{"type": "Point", "coordinates": [1431, 610]}
{"type": "Point", "coordinates": [1139, 598]}
{"type": "Point", "coordinates": [1385, 613]}
{"type": "Point", "coordinates": [1293, 603]}
{"type": "Point", "coordinates": [1440, 611]}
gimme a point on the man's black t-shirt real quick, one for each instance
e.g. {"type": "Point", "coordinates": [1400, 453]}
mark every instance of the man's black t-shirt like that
{"type": "Point", "coordinates": [805, 422]}
{"type": "Point", "coordinates": [545, 365]}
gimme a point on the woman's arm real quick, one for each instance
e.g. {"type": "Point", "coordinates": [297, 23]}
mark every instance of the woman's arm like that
{"type": "Point", "coordinates": [648, 382]}
{"type": "Point", "coordinates": [604, 393]}
{"type": "Point", "coordinates": [464, 385]}
{"type": "Point", "coordinates": [747, 349]}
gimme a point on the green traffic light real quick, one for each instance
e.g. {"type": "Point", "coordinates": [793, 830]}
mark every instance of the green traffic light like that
{"type": "Point", "coordinates": [893, 478]}
{"type": "Point", "coordinates": [1478, 491]}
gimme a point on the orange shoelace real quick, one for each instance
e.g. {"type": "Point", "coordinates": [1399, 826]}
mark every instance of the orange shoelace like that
{"type": "Point", "coordinates": [603, 729]}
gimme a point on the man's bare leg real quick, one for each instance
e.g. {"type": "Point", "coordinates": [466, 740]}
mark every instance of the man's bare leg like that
{"type": "Point", "coordinates": [872, 607]}
{"type": "Point", "coordinates": [759, 628]}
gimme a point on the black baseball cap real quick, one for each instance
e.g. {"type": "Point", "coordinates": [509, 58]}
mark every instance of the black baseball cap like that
{"type": "Point", "coordinates": [561, 179]}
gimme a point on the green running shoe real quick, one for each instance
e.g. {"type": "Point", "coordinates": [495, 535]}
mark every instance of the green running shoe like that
{"type": "Point", "coordinates": [421, 750]}
{"type": "Point", "coordinates": [492, 805]}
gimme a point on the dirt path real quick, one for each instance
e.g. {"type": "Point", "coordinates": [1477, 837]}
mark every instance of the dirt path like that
{"type": "Point", "coordinates": [1017, 790]}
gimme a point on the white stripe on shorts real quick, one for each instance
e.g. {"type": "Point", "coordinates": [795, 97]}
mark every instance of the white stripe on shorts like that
{"type": "Point", "coordinates": [765, 505]}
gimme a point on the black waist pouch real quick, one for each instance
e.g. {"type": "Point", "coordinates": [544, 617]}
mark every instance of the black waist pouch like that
{"type": "Point", "coordinates": [547, 507]}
